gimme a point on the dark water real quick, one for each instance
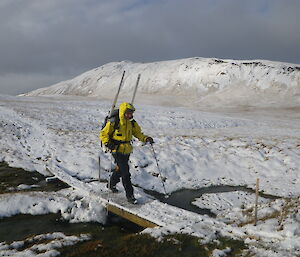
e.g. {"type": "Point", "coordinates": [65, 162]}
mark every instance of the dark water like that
{"type": "Point", "coordinates": [118, 238]}
{"type": "Point", "coordinates": [183, 198]}
{"type": "Point", "coordinates": [10, 178]}
{"type": "Point", "coordinates": [22, 226]}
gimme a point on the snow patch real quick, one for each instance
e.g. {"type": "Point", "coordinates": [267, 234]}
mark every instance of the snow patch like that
{"type": "Point", "coordinates": [42, 245]}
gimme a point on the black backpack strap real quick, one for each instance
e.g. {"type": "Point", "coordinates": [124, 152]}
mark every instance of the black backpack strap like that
{"type": "Point", "coordinates": [133, 123]}
{"type": "Point", "coordinates": [116, 123]}
{"type": "Point", "coordinates": [114, 118]}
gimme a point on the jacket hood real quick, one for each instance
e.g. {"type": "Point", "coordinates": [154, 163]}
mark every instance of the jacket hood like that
{"type": "Point", "coordinates": [123, 107]}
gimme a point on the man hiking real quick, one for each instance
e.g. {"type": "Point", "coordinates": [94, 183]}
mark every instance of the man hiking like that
{"type": "Point", "coordinates": [116, 136]}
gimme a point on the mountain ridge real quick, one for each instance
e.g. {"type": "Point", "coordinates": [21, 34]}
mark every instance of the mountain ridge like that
{"type": "Point", "coordinates": [201, 81]}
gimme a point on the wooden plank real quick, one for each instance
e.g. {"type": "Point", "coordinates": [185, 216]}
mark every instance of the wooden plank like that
{"type": "Point", "coordinates": [131, 217]}
{"type": "Point", "coordinates": [118, 210]}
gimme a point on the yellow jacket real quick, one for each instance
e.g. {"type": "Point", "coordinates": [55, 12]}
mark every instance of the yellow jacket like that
{"type": "Point", "coordinates": [124, 132]}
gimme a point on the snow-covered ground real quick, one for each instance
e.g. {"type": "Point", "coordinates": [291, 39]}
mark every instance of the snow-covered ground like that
{"type": "Point", "coordinates": [195, 149]}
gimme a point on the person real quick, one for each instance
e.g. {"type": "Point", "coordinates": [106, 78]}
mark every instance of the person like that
{"type": "Point", "coordinates": [118, 141]}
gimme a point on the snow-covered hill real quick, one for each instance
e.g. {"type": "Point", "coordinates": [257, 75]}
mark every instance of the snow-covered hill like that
{"type": "Point", "coordinates": [198, 82]}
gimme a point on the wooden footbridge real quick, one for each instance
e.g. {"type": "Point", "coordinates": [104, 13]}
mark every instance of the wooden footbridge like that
{"type": "Point", "coordinates": [149, 212]}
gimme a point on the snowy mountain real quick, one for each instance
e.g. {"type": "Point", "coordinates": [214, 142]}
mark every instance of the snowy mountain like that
{"type": "Point", "coordinates": [198, 82]}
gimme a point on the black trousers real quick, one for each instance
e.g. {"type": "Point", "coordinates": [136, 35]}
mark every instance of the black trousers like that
{"type": "Point", "coordinates": [122, 172]}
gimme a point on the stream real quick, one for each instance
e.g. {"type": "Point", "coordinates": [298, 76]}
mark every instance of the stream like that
{"type": "Point", "coordinates": [118, 237]}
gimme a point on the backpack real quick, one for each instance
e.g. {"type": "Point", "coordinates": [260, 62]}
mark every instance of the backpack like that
{"type": "Point", "coordinates": [114, 118]}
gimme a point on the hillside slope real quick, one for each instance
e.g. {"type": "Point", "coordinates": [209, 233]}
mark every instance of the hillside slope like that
{"type": "Point", "coordinates": [192, 82]}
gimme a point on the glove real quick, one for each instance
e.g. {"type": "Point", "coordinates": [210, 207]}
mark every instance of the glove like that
{"type": "Point", "coordinates": [110, 145]}
{"type": "Point", "coordinates": [150, 140]}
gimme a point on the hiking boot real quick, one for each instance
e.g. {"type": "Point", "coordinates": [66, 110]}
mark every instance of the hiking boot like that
{"type": "Point", "coordinates": [131, 199]}
{"type": "Point", "coordinates": [113, 188]}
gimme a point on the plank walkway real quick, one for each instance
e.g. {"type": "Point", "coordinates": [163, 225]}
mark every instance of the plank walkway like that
{"type": "Point", "coordinates": [149, 212]}
{"type": "Point", "coordinates": [115, 202]}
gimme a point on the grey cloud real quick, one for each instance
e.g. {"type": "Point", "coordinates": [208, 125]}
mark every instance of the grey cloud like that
{"type": "Point", "coordinates": [10, 82]}
{"type": "Point", "coordinates": [62, 38]}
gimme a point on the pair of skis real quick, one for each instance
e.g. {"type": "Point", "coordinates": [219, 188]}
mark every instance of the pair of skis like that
{"type": "Point", "coordinates": [119, 89]}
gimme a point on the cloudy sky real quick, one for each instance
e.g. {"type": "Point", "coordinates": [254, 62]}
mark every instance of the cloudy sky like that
{"type": "Point", "coordinates": [45, 41]}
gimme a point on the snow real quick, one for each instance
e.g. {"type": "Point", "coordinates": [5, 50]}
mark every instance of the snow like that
{"type": "Point", "coordinates": [195, 148]}
{"type": "Point", "coordinates": [22, 187]}
{"type": "Point", "coordinates": [54, 241]}
{"type": "Point", "coordinates": [208, 149]}
{"type": "Point", "coordinates": [71, 205]}
{"type": "Point", "coordinates": [193, 82]}
{"type": "Point", "coordinates": [221, 253]}
{"type": "Point", "coordinates": [221, 202]}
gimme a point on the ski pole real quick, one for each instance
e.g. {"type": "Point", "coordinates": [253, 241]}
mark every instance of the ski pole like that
{"type": "Point", "coordinates": [158, 168]}
{"type": "Point", "coordinates": [135, 89]}
{"type": "Point", "coordinates": [116, 96]}
{"type": "Point", "coordinates": [99, 163]}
